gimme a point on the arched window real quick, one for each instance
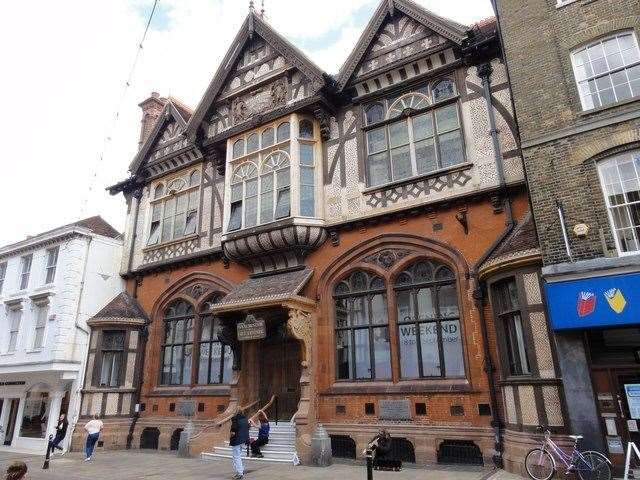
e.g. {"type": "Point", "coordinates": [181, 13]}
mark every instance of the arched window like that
{"type": "Point", "coordinates": [244, 191]}
{"type": "Point", "coordinates": [361, 328]}
{"type": "Point", "coordinates": [176, 185]}
{"type": "Point", "coordinates": [443, 90]}
{"type": "Point", "coordinates": [253, 143]}
{"type": "Point", "coordinates": [238, 148]}
{"type": "Point", "coordinates": [194, 178]}
{"type": "Point", "coordinates": [306, 129]}
{"type": "Point", "coordinates": [428, 320]}
{"type": "Point", "coordinates": [159, 191]}
{"type": "Point", "coordinates": [284, 131]}
{"type": "Point", "coordinates": [177, 345]}
{"type": "Point", "coordinates": [374, 113]}
{"type": "Point", "coordinates": [216, 359]}
{"type": "Point", "coordinates": [274, 187]}
{"type": "Point", "coordinates": [412, 101]}
{"type": "Point", "coordinates": [267, 137]}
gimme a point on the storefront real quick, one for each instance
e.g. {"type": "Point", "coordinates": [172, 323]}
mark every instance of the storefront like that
{"type": "Point", "coordinates": [605, 312]}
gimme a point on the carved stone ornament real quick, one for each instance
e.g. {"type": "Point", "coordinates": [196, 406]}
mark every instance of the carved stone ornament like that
{"type": "Point", "coordinates": [195, 291]}
{"type": "Point", "coordinates": [299, 327]}
{"type": "Point", "coordinates": [278, 94]}
{"type": "Point", "coordinates": [228, 335]}
{"type": "Point", "coordinates": [239, 110]}
{"type": "Point", "coordinates": [323, 118]}
{"type": "Point", "coordinates": [386, 258]}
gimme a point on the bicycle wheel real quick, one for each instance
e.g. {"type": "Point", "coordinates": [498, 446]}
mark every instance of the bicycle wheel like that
{"type": "Point", "coordinates": [539, 464]}
{"type": "Point", "coordinates": [597, 468]}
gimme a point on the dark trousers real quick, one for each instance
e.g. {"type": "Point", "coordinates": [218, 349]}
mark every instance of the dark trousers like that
{"type": "Point", "coordinates": [56, 441]}
{"type": "Point", "coordinates": [256, 444]}
{"type": "Point", "coordinates": [91, 443]}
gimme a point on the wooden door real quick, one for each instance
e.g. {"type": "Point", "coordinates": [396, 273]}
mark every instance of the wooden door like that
{"type": "Point", "coordinates": [11, 425]}
{"type": "Point", "coordinates": [280, 375]}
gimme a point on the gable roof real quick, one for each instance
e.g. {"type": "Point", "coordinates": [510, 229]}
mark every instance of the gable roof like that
{"type": "Point", "coordinates": [522, 241]}
{"type": "Point", "coordinates": [253, 24]}
{"type": "Point", "coordinates": [122, 306]}
{"type": "Point", "coordinates": [174, 109]}
{"type": "Point", "coordinates": [453, 31]}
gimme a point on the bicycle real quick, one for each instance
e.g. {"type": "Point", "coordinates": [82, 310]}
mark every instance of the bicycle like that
{"type": "Point", "coordinates": [540, 463]}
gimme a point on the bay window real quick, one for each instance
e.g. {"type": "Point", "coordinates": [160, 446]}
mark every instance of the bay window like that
{"type": "Point", "coordinates": [112, 358]}
{"type": "Point", "coordinates": [415, 134]}
{"type": "Point", "coordinates": [506, 307]}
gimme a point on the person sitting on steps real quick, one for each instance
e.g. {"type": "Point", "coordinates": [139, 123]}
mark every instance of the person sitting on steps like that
{"type": "Point", "coordinates": [263, 434]}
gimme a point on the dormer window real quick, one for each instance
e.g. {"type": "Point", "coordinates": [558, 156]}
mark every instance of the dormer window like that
{"type": "Point", "coordinates": [174, 211]}
{"type": "Point", "coordinates": [260, 187]}
{"type": "Point", "coordinates": [414, 134]}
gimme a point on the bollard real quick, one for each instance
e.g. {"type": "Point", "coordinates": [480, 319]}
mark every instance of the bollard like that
{"type": "Point", "coordinates": [369, 457]}
{"type": "Point", "coordinates": [45, 465]}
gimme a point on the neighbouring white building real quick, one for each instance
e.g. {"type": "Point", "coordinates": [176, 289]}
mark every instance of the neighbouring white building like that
{"type": "Point", "coordinates": [50, 284]}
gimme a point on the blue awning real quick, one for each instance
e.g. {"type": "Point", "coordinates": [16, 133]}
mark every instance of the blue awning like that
{"type": "Point", "coordinates": [606, 301]}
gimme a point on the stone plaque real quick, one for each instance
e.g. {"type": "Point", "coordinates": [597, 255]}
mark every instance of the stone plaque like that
{"type": "Point", "coordinates": [186, 409]}
{"type": "Point", "coordinates": [251, 329]}
{"type": "Point", "coordinates": [394, 409]}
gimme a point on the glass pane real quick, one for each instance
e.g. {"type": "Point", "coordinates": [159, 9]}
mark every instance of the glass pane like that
{"type": "Point", "coordinates": [405, 306]}
{"type": "Point", "coordinates": [342, 313]}
{"type": "Point", "coordinates": [378, 169]}
{"type": "Point", "coordinates": [426, 156]}
{"type": "Point", "coordinates": [216, 361]}
{"type": "Point", "coordinates": [401, 162]}
{"type": "Point", "coordinates": [447, 118]}
{"type": "Point", "coordinates": [266, 207]}
{"type": "Point", "coordinates": [205, 332]}
{"type": "Point", "coordinates": [343, 354]}
{"type": "Point", "coordinates": [283, 131]}
{"type": "Point", "coordinates": [452, 349]}
{"type": "Point", "coordinates": [180, 330]}
{"type": "Point", "coordinates": [235, 217]}
{"type": "Point", "coordinates": [267, 138]}
{"type": "Point", "coordinates": [238, 148]}
{"type": "Point", "coordinates": [115, 370]}
{"type": "Point", "coordinates": [378, 309]}
{"type": "Point", "coordinates": [283, 177]}
{"type": "Point", "coordinates": [283, 206]}
{"type": "Point", "coordinates": [422, 126]}
{"type": "Point", "coordinates": [203, 364]}
{"type": "Point", "coordinates": [186, 371]}
{"type": "Point", "coordinates": [408, 351]}
{"type": "Point", "coordinates": [189, 330]}
{"type": "Point", "coordinates": [190, 228]}
{"type": "Point", "coordinates": [358, 312]}
{"type": "Point", "coordinates": [448, 301]}
{"type": "Point", "coordinates": [228, 365]}
{"type": "Point", "coordinates": [35, 415]}
{"type": "Point", "coordinates": [430, 350]}
{"type": "Point", "coordinates": [426, 308]}
{"type": "Point", "coordinates": [307, 176]}
{"type": "Point", "coordinates": [307, 201]}
{"type": "Point", "coordinates": [306, 129]}
{"type": "Point", "coordinates": [382, 353]}
{"type": "Point", "coordinates": [236, 192]}
{"type": "Point", "coordinates": [374, 113]}
{"type": "Point", "coordinates": [251, 187]}
{"type": "Point", "coordinates": [451, 151]}
{"type": "Point", "coordinates": [166, 368]}
{"type": "Point", "coordinates": [376, 140]}
{"type": "Point", "coordinates": [252, 143]}
{"type": "Point", "coordinates": [363, 354]}
{"type": "Point", "coordinates": [443, 90]}
{"type": "Point", "coordinates": [251, 212]}
{"type": "Point", "coordinates": [398, 134]}
{"type": "Point", "coordinates": [176, 366]}
{"type": "Point", "coordinates": [179, 225]}
{"type": "Point", "coordinates": [306, 154]}
{"type": "Point", "coordinates": [170, 208]}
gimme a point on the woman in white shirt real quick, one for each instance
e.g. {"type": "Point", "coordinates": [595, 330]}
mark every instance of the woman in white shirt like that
{"type": "Point", "coordinates": [93, 428]}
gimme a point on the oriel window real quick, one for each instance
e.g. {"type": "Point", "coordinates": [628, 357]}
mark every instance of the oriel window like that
{"type": "Point", "coordinates": [112, 358]}
{"type": "Point", "coordinates": [509, 316]}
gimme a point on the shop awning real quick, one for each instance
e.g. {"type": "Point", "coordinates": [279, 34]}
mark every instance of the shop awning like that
{"type": "Point", "coordinates": [279, 289]}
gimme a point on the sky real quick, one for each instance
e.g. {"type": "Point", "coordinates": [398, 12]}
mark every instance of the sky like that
{"type": "Point", "coordinates": [69, 128]}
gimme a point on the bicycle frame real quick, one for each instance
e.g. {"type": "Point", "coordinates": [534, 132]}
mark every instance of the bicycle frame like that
{"type": "Point", "coordinates": [568, 460]}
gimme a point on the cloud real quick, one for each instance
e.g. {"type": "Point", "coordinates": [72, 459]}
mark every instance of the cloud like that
{"type": "Point", "coordinates": [65, 64]}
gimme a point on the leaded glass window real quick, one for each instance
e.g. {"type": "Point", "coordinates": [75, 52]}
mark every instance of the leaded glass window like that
{"type": "Point", "coordinates": [507, 309]}
{"type": "Point", "coordinates": [275, 181]}
{"type": "Point", "coordinates": [216, 360]}
{"type": "Point", "coordinates": [177, 345]}
{"type": "Point", "coordinates": [244, 193]}
{"type": "Point", "coordinates": [112, 358]}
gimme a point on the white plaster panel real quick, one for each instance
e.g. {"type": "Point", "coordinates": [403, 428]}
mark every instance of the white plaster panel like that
{"type": "Point", "coordinates": [131, 366]}
{"type": "Point", "coordinates": [111, 407]}
{"type": "Point", "coordinates": [133, 339]}
{"type": "Point", "coordinates": [528, 405]}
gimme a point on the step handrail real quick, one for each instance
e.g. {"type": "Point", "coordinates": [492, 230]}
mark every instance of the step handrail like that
{"type": "Point", "coordinates": [222, 421]}
{"type": "Point", "coordinates": [266, 405]}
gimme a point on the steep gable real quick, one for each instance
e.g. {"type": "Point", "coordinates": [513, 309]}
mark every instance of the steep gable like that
{"type": "Point", "coordinates": [166, 137]}
{"type": "Point", "coordinates": [399, 32]}
{"type": "Point", "coordinates": [261, 72]}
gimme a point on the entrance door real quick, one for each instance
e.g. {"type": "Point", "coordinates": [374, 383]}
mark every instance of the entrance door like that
{"type": "Point", "coordinates": [280, 375]}
{"type": "Point", "coordinates": [628, 384]}
{"type": "Point", "coordinates": [11, 424]}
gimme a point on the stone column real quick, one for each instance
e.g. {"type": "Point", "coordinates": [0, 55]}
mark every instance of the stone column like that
{"type": "Point", "coordinates": [54, 412]}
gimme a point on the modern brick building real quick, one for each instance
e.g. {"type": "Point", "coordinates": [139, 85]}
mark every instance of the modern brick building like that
{"type": "Point", "coordinates": [574, 68]}
{"type": "Point", "coordinates": [324, 245]}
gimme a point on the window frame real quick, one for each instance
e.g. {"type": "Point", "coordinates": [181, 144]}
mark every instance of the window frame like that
{"type": "Point", "coordinates": [51, 267]}
{"type": "Point", "coordinates": [15, 321]}
{"type": "Point", "coordinates": [116, 358]}
{"type": "Point", "coordinates": [610, 71]}
{"type": "Point", "coordinates": [387, 103]}
{"type": "Point", "coordinates": [190, 314]}
{"type": "Point", "coordinates": [202, 315]}
{"type": "Point", "coordinates": [3, 275]}
{"type": "Point", "coordinates": [26, 263]}
{"type": "Point", "coordinates": [40, 325]}
{"type": "Point", "coordinates": [156, 227]}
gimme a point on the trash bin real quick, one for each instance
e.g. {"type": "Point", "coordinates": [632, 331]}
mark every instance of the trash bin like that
{"type": "Point", "coordinates": [321, 448]}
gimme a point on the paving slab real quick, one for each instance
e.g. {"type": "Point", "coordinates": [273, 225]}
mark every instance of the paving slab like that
{"type": "Point", "coordinates": [125, 465]}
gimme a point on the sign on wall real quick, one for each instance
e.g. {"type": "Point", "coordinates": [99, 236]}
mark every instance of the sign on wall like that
{"type": "Point", "coordinates": [633, 399]}
{"type": "Point", "coordinates": [612, 300]}
{"type": "Point", "coordinates": [251, 329]}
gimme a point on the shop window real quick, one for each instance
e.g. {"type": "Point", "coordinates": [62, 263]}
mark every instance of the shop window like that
{"type": "Point", "coordinates": [361, 328]}
{"type": "Point", "coordinates": [216, 359]}
{"type": "Point", "coordinates": [112, 358]}
{"type": "Point", "coordinates": [507, 310]}
{"type": "Point", "coordinates": [428, 318]}
{"type": "Point", "coordinates": [35, 413]}
{"type": "Point", "coordinates": [177, 345]}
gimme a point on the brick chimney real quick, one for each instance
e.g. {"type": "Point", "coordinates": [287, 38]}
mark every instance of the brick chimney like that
{"type": "Point", "coordinates": [151, 110]}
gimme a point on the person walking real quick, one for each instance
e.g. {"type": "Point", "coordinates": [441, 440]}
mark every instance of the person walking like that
{"type": "Point", "coordinates": [263, 434]}
{"type": "Point", "coordinates": [238, 438]}
{"type": "Point", "coordinates": [61, 432]}
{"type": "Point", "coordinates": [93, 428]}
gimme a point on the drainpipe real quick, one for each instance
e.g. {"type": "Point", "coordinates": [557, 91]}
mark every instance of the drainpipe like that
{"type": "Point", "coordinates": [144, 334]}
{"type": "Point", "coordinates": [563, 226]}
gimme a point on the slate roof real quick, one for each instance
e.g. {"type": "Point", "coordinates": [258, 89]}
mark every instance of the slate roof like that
{"type": "Point", "coordinates": [277, 287]}
{"type": "Point", "coordinates": [523, 238]}
{"type": "Point", "coordinates": [97, 225]}
{"type": "Point", "coordinates": [122, 306]}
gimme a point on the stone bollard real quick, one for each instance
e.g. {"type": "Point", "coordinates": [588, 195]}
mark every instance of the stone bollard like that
{"type": "Point", "coordinates": [321, 448]}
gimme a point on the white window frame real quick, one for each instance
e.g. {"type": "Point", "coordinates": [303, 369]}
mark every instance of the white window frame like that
{"type": "Point", "coordinates": [40, 325]}
{"type": "Point", "coordinates": [51, 266]}
{"type": "Point", "coordinates": [3, 274]}
{"type": "Point", "coordinates": [635, 155]}
{"type": "Point", "coordinates": [188, 186]}
{"type": "Point", "coordinates": [580, 82]}
{"type": "Point", "coordinates": [26, 261]}
{"type": "Point", "coordinates": [15, 319]}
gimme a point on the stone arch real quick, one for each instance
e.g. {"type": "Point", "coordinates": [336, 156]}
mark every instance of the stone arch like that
{"type": "Point", "coordinates": [600, 30]}
{"type": "Point", "coordinates": [606, 146]}
{"type": "Point", "coordinates": [150, 438]}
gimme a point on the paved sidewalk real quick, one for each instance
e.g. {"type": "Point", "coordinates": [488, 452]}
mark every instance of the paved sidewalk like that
{"type": "Point", "coordinates": [125, 465]}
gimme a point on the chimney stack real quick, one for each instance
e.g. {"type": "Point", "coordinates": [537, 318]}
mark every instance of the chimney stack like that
{"type": "Point", "coordinates": [151, 110]}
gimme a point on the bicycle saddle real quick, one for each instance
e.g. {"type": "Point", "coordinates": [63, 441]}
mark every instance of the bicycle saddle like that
{"type": "Point", "coordinates": [576, 437]}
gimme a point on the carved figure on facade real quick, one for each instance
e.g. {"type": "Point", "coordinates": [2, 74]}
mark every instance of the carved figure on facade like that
{"type": "Point", "coordinates": [386, 258]}
{"type": "Point", "coordinates": [278, 93]}
{"type": "Point", "coordinates": [299, 327]}
{"type": "Point", "coordinates": [239, 111]}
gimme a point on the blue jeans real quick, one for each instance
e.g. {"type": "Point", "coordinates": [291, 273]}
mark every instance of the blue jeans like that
{"type": "Point", "coordinates": [91, 444]}
{"type": "Point", "coordinates": [237, 459]}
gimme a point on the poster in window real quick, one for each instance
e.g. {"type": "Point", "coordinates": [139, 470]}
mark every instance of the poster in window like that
{"type": "Point", "coordinates": [633, 399]}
